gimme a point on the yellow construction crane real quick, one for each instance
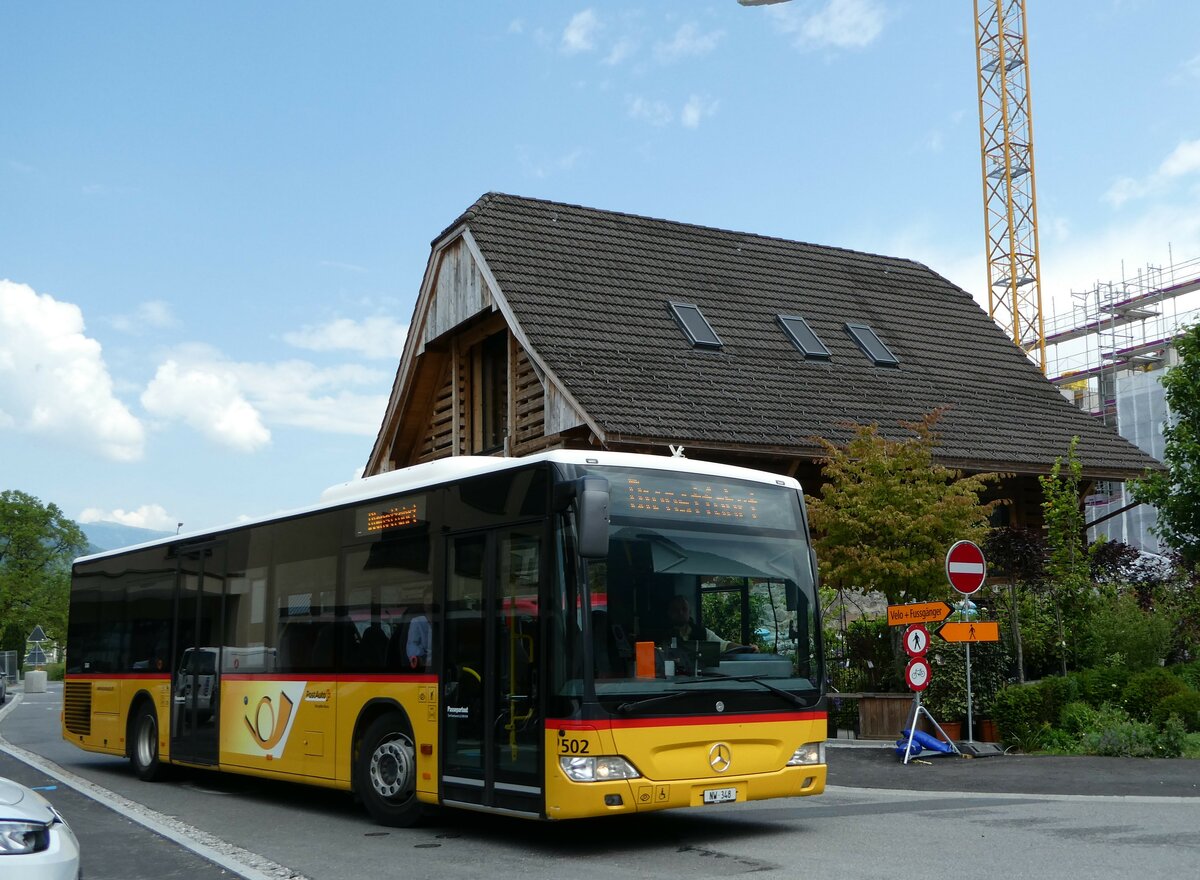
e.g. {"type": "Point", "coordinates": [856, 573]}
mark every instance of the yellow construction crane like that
{"type": "Point", "coordinates": [1009, 199]}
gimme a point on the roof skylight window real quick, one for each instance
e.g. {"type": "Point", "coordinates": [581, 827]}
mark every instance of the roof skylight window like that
{"type": "Point", "coordinates": [695, 325]}
{"type": "Point", "coordinates": [803, 337]}
{"type": "Point", "coordinates": [872, 345]}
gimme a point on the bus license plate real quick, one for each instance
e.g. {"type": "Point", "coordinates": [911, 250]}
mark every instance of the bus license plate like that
{"type": "Point", "coordinates": [719, 795]}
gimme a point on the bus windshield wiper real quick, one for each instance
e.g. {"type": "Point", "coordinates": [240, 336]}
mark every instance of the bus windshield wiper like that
{"type": "Point", "coordinates": [627, 707]}
{"type": "Point", "coordinates": [780, 692]}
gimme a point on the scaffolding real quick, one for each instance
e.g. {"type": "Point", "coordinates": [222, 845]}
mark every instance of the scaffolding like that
{"type": "Point", "coordinates": [1108, 354]}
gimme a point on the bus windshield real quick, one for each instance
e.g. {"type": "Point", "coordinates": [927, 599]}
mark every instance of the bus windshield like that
{"type": "Point", "coordinates": [707, 586]}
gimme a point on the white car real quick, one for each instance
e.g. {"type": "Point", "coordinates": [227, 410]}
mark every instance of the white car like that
{"type": "Point", "coordinates": [35, 842]}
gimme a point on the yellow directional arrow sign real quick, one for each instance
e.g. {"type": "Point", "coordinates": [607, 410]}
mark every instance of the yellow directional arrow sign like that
{"type": "Point", "coordinates": [971, 631]}
{"type": "Point", "coordinates": [917, 612]}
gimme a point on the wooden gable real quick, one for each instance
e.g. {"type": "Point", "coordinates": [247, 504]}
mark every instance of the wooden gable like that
{"type": "Point", "coordinates": [448, 388]}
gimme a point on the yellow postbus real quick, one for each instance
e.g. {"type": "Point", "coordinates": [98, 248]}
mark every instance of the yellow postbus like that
{"type": "Point", "coordinates": [566, 635]}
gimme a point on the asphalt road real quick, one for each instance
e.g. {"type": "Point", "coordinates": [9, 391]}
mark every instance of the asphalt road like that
{"type": "Point", "coordinates": [1022, 813]}
{"type": "Point", "coordinates": [876, 766]}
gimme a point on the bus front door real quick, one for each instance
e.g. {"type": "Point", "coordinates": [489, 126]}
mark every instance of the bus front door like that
{"type": "Point", "coordinates": [492, 751]}
{"type": "Point", "coordinates": [195, 689]}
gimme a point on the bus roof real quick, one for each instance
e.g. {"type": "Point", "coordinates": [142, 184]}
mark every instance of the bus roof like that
{"type": "Point", "coordinates": [455, 468]}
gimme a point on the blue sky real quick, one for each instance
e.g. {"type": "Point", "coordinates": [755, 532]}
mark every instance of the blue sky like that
{"type": "Point", "coordinates": [214, 218]}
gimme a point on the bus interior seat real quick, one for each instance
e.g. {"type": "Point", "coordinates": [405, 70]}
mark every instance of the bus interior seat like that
{"type": "Point", "coordinates": [295, 645]}
{"type": "Point", "coordinates": [373, 646]}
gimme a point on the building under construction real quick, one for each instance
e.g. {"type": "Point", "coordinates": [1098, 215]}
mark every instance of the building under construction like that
{"type": "Point", "coordinates": [1108, 355]}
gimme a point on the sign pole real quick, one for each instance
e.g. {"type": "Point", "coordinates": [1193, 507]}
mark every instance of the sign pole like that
{"type": "Point", "coordinates": [966, 569]}
{"type": "Point", "coordinates": [970, 697]}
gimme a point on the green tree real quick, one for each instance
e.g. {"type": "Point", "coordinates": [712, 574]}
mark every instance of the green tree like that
{"type": "Point", "coordinates": [1018, 555]}
{"type": "Point", "coordinates": [37, 544]}
{"type": "Point", "coordinates": [888, 512]}
{"type": "Point", "coordinates": [1176, 493]}
{"type": "Point", "coordinates": [1068, 567]}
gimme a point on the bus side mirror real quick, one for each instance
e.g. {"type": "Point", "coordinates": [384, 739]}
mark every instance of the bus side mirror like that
{"type": "Point", "coordinates": [592, 499]}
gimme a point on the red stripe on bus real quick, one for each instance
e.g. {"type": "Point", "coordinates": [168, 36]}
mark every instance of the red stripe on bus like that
{"type": "Point", "coordinates": [341, 678]}
{"type": "Point", "coordinates": [259, 676]}
{"type": "Point", "coordinates": [690, 721]}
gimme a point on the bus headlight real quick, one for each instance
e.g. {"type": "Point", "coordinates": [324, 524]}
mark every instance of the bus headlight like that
{"type": "Point", "coordinates": [600, 769]}
{"type": "Point", "coordinates": [809, 753]}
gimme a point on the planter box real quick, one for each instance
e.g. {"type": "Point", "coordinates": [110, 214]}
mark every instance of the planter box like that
{"type": "Point", "coordinates": [880, 716]}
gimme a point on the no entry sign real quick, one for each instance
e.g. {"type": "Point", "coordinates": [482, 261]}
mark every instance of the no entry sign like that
{"type": "Point", "coordinates": [965, 567]}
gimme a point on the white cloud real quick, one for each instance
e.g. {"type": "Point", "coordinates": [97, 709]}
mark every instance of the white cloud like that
{"type": "Point", "coordinates": [654, 112]}
{"type": "Point", "coordinates": [696, 109]}
{"type": "Point", "coordinates": [542, 168]}
{"type": "Point", "coordinates": [516, 26]}
{"type": "Point", "coordinates": [842, 24]}
{"type": "Point", "coordinates": [299, 394]}
{"type": "Point", "coordinates": [621, 50]}
{"type": "Point", "coordinates": [236, 403]}
{"type": "Point", "coordinates": [209, 399]}
{"type": "Point", "coordinates": [1183, 161]}
{"type": "Point", "coordinates": [151, 315]}
{"type": "Point", "coordinates": [376, 337]}
{"type": "Point", "coordinates": [688, 41]}
{"type": "Point", "coordinates": [1191, 67]}
{"type": "Point", "coordinates": [148, 516]}
{"type": "Point", "coordinates": [334, 264]}
{"type": "Point", "coordinates": [53, 379]}
{"type": "Point", "coordinates": [580, 33]}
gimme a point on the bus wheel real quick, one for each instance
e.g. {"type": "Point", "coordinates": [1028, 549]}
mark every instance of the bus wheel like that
{"type": "Point", "coordinates": [143, 750]}
{"type": "Point", "coordinates": [385, 773]}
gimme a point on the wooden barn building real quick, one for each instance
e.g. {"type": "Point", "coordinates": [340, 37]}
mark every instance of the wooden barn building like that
{"type": "Point", "coordinates": [542, 325]}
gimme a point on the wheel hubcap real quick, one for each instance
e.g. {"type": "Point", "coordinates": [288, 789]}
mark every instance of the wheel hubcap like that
{"type": "Point", "coordinates": [392, 768]}
{"type": "Point", "coordinates": [147, 742]}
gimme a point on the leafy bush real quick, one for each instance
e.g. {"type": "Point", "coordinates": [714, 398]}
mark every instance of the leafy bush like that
{"type": "Point", "coordinates": [1077, 718]}
{"type": "Point", "coordinates": [1143, 638]}
{"type": "Point", "coordinates": [1057, 691]}
{"type": "Point", "coordinates": [1017, 711]}
{"type": "Point", "coordinates": [1184, 705]}
{"type": "Point", "coordinates": [1058, 742]}
{"type": "Point", "coordinates": [1126, 739]}
{"type": "Point", "coordinates": [54, 671]}
{"type": "Point", "coordinates": [1191, 745]}
{"type": "Point", "coordinates": [1035, 613]}
{"type": "Point", "coordinates": [1103, 684]}
{"type": "Point", "coordinates": [1145, 690]}
{"type": "Point", "coordinates": [1173, 739]}
{"type": "Point", "coordinates": [869, 647]}
{"type": "Point", "coordinates": [1190, 673]}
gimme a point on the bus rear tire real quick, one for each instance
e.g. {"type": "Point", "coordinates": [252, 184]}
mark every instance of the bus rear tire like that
{"type": "Point", "coordinates": [143, 743]}
{"type": "Point", "coordinates": [385, 772]}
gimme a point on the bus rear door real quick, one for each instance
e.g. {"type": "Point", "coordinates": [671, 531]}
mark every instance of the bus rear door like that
{"type": "Point", "coordinates": [196, 684]}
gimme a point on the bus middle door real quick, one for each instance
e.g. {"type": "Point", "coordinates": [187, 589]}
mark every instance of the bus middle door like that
{"type": "Point", "coordinates": [492, 751]}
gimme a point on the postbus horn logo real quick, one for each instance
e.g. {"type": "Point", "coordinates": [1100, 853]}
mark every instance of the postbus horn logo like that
{"type": "Point", "coordinates": [266, 728]}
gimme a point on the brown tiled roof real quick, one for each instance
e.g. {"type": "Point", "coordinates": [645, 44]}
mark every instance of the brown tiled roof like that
{"type": "Point", "coordinates": [590, 289]}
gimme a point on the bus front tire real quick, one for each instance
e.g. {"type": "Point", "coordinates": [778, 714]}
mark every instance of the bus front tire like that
{"type": "Point", "coordinates": [385, 773]}
{"type": "Point", "coordinates": [143, 749]}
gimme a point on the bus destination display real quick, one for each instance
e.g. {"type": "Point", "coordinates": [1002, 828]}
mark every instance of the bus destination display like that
{"type": "Point", "coordinates": [389, 515]}
{"type": "Point", "coordinates": [672, 497]}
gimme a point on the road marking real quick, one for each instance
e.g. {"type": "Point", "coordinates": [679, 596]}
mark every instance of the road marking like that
{"type": "Point", "coordinates": [238, 861]}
